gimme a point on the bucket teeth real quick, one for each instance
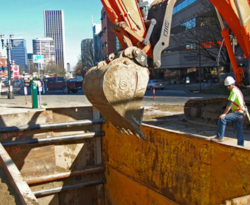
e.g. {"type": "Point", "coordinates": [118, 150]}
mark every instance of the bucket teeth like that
{"type": "Point", "coordinates": [119, 129]}
{"type": "Point", "coordinates": [129, 131]}
{"type": "Point", "coordinates": [138, 136]}
{"type": "Point", "coordinates": [125, 131]}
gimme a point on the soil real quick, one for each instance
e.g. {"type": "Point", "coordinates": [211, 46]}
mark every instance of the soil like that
{"type": "Point", "coordinates": [172, 117]}
{"type": "Point", "coordinates": [8, 195]}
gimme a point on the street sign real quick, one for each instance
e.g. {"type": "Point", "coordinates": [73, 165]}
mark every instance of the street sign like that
{"type": "Point", "coordinates": [38, 58]}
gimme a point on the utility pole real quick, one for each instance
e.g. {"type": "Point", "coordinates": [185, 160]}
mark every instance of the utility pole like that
{"type": "Point", "coordinates": [41, 67]}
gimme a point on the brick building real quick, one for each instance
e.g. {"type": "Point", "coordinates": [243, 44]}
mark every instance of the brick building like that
{"type": "Point", "coordinates": [3, 66]}
{"type": "Point", "coordinates": [110, 42]}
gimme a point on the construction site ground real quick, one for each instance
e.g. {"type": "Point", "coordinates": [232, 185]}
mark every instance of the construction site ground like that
{"type": "Point", "coordinates": [168, 116]}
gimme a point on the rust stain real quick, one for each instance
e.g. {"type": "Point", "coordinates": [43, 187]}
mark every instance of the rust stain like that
{"type": "Point", "coordinates": [185, 169]}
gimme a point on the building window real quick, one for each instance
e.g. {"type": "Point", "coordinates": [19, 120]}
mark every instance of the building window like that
{"type": "Point", "coordinates": [191, 46]}
{"type": "Point", "coordinates": [189, 24]}
{"type": "Point", "coordinates": [117, 44]}
{"type": "Point", "coordinates": [184, 26]}
{"type": "Point", "coordinates": [183, 5]}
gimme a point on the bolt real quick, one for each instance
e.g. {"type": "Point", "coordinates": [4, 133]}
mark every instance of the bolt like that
{"type": "Point", "coordinates": [157, 64]}
{"type": "Point", "coordinates": [136, 52]}
{"type": "Point", "coordinates": [146, 42]}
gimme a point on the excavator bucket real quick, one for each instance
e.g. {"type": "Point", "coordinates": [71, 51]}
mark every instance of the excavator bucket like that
{"type": "Point", "coordinates": [116, 90]}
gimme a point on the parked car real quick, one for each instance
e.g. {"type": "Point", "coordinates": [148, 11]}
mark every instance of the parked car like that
{"type": "Point", "coordinates": [16, 86]}
{"type": "Point", "coordinates": [27, 83]}
{"type": "Point", "coordinates": [4, 87]}
{"type": "Point", "coordinates": [157, 84]}
{"type": "Point", "coordinates": [59, 83]}
{"type": "Point", "coordinates": [18, 83]}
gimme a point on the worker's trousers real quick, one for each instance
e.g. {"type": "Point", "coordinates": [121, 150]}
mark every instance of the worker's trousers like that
{"type": "Point", "coordinates": [238, 119]}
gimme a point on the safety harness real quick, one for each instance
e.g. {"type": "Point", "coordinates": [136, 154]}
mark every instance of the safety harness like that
{"type": "Point", "coordinates": [240, 108]}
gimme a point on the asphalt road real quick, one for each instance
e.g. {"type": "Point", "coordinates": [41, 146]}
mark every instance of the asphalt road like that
{"type": "Point", "coordinates": [157, 105]}
{"type": "Point", "coordinates": [59, 99]}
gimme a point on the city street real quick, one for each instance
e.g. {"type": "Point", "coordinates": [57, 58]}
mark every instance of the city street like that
{"type": "Point", "coordinates": [166, 110]}
{"type": "Point", "coordinates": [58, 99]}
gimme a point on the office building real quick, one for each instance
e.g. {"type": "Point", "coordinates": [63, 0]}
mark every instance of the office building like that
{"type": "Point", "coordinates": [3, 62]}
{"type": "Point", "coordinates": [195, 45]}
{"type": "Point", "coordinates": [3, 66]}
{"type": "Point", "coordinates": [109, 39]}
{"type": "Point", "coordinates": [54, 28]}
{"type": "Point", "coordinates": [29, 61]}
{"type": "Point", "coordinates": [97, 38]}
{"type": "Point", "coordinates": [45, 47]}
{"type": "Point", "coordinates": [68, 67]}
{"type": "Point", "coordinates": [19, 53]}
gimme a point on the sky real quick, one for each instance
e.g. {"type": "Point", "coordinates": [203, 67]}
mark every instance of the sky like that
{"type": "Point", "coordinates": [25, 19]}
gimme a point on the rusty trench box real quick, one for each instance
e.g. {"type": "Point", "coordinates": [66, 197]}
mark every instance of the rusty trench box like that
{"type": "Point", "coordinates": [94, 164]}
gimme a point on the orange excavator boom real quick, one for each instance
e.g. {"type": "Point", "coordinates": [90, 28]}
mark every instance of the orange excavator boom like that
{"type": "Point", "coordinates": [117, 85]}
{"type": "Point", "coordinates": [236, 13]}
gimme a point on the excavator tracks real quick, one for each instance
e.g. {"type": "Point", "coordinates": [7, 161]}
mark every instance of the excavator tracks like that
{"type": "Point", "coordinates": [207, 111]}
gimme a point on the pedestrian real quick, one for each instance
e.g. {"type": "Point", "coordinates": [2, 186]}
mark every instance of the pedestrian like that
{"type": "Point", "coordinates": [237, 116]}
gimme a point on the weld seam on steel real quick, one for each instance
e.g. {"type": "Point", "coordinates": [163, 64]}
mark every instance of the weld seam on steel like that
{"type": "Point", "coordinates": [55, 139]}
{"type": "Point", "coordinates": [65, 188]}
{"type": "Point", "coordinates": [52, 125]}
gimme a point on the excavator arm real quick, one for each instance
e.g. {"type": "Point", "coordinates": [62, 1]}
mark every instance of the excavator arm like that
{"type": "Point", "coordinates": [236, 13]}
{"type": "Point", "coordinates": [117, 85]}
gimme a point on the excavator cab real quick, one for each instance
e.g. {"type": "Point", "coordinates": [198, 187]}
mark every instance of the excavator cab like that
{"type": "Point", "coordinates": [117, 85]}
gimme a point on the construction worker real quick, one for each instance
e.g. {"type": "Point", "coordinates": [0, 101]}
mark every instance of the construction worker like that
{"type": "Point", "coordinates": [237, 116]}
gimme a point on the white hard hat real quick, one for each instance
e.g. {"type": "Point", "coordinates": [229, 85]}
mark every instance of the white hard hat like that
{"type": "Point", "coordinates": [229, 81]}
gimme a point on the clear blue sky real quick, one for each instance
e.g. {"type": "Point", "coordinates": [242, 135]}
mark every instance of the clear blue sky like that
{"type": "Point", "coordinates": [25, 19]}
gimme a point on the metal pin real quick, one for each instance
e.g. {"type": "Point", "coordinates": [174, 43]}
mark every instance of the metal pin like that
{"type": "Point", "coordinates": [130, 132]}
{"type": "Point", "coordinates": [125, 131]}
{"type": "Point", "coordinates": [137, 135]}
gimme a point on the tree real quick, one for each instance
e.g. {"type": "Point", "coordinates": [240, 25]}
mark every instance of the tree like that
{"type": "Point", "coordinates": [80, 68]}
{"type": "Point", "coordinates": [21, 70]}
{"type": "Point", "coordinates": [55, 69]}
{"type": "Point", "coordinates": [32, 69]}
{"type": "Point", "coordinates": [87, 59]}
{"type": "Point", "coordinates": [202, 35]}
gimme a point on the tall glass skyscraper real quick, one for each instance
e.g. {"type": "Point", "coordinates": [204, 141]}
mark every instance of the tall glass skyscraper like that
{"type": "Point", "coordinates": [54, 28]}
{"type": "Point", "coordinates": [19, 52]}
{"type": "Point", "coordinates": [97, 38]}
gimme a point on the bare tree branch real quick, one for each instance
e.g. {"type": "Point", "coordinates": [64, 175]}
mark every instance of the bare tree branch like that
{"type": "Point", "coordinates": [203, 34]}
